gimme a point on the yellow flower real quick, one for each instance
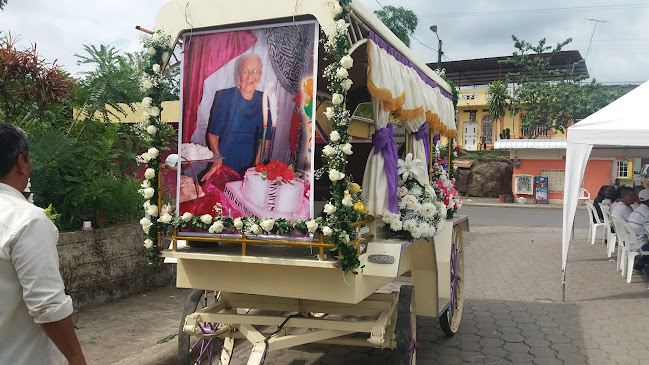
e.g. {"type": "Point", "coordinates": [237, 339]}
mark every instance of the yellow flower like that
{"type": "Point", "coordinates": [346, 192]}
{"type": "Point", "coordinates": [355, 188]}
{"type": "Point", "coordinates": [361, 208]}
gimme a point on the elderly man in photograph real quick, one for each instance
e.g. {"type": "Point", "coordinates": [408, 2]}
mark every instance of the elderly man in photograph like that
{"type": "Point", "coordinates": [35, 313]}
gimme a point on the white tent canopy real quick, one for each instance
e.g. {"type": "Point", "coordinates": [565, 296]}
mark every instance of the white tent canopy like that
{"type": "Point", "coordinates": [621, 123]}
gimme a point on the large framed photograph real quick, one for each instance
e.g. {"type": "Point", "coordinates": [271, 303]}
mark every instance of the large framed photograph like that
{"type": "Point", "coordinates": [246, 137]}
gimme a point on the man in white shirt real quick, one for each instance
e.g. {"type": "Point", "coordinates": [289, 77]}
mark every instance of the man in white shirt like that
{"type": "Point", "coordinates": [637, 219]}
{"type": "Point", "coordinates": [35, 313]}
{"type": "Point", "coordinates": [622, 210]}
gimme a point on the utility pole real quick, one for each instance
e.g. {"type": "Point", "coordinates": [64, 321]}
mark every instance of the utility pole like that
{"type": "Point", "coordinates": [596, 21]}
{"type": "Point", "coordinates": [439, 47]}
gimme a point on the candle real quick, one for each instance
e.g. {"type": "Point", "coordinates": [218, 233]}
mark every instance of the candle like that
{"type": "Point", "coordinates": [264, 107]}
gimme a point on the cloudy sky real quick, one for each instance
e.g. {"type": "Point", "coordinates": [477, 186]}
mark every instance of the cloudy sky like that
{"type": "Point", "coordinates": [618, 53]}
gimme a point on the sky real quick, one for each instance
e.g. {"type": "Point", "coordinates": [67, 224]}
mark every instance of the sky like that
{"type": "Point", "coordinates": [617, 53]}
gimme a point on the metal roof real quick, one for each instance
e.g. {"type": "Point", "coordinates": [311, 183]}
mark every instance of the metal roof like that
{"type": "Point", "coordinates": [530, 144]}
{"type": "Point", "coordinates": [482, 71]}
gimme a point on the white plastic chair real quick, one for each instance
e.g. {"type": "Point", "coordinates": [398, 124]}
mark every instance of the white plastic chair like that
{"type": "Point", "coordinates": [584, 195]}
{"type": "Point", "coordinates": [632, 249]}
{"type": "Point", "coordinates": [622, 242]}
{"type": "Point", "coordinates": [611, 238]}
{"type": "Point", "coordinates": [594, 223]}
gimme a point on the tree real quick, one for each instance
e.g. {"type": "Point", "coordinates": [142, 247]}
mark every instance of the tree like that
{"type": "Point", "coordinates": [402, 22]}
{"type": "Point", "coordinates": [30, 88]}
{"type": "Point", "coordinates": [552, 99]}
{"type": "Point", "coordinates": [3, 3]}
{"type": "Point", "coordinates": [498, 99]}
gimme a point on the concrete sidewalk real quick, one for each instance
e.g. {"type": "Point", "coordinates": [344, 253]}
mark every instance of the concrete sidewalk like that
{"type": "Point", "coordinates": [513, 313]}
{"type": "Point", "coordinates": [495, 202]}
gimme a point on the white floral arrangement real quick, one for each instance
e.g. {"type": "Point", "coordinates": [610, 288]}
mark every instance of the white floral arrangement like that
{"type": "Point", "coordinates": [421, 211]}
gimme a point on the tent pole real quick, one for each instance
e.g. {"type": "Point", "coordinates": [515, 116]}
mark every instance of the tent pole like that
{"type": "Point", "coordinates": [563, 285]}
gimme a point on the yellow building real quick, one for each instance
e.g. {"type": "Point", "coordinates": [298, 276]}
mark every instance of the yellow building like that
{"type": "Point", "coordinates": [475, 125]}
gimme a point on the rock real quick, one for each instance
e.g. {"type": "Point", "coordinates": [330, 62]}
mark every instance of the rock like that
{"type": "Point", "coordinates": [486, 178]}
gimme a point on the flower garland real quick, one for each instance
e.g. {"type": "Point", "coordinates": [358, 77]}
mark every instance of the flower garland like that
{"type": "Point", "coordinates": [421, 212]}
{"type": "Point", "coordinates": [344, 206]}
{"type": "Point", "coordinates": [443, 183]}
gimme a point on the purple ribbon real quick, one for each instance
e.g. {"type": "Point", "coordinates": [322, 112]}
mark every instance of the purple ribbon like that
{"type": "Point", "coordinates": [383, 140]}
{"type": "Point", "coordinates": [422, 133]}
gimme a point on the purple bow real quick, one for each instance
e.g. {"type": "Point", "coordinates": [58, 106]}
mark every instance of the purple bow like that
{"type": "Point", "coordinates": [383, 140]}
{"type": "Point", "coordinates": [422, 133]}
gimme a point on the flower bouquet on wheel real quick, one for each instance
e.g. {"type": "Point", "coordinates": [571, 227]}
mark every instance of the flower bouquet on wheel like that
{"type": "Point", "coordinates": [421, 212]}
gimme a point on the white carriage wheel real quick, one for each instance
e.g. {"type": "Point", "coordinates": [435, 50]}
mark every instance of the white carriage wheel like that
{"type": "Point", "coordinates": [450, 320]}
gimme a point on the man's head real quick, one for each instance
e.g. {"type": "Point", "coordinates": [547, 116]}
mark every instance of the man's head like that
{"type": "Point", "coordinates": [609, 191]}
{"type": "Point", "coordinates": [617, 181]}
{"type": "Point", "coordinates": [15, 165]}
{"type": "Point", "coordinates": [627, 195]}
{"type": "Point", "coordinates": [249, 73]}
{"type": "Point", "coordinates": [643, 196]}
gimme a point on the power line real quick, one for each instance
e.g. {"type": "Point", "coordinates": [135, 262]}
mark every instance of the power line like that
{"type": "Point", "coordinates": [538, 10]}
{"type": "Point", "coordinates": [596, 21]}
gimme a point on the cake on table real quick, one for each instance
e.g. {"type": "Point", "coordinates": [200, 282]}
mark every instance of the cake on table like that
{"type": "Point", "coordinates": [269, 191]}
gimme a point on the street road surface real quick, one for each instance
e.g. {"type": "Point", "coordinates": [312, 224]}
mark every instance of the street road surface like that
{"type": "Point", "coordinates": [520, 217]}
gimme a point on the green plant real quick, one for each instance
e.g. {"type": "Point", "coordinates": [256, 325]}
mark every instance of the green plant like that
{"type": "Point", "coordinates": [505, 134]}
{"type": "Point", "coordinates": [401, 21]}
{"type": "Point", "coordinates": [497, 100]}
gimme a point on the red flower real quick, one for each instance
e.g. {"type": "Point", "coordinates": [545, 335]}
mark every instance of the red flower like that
{"type": "Point", "coordinates": [260, 167]}
{"type": "Point", "coordinates": [287, 175]}
{"type": "Point", "coordinates": [282, 166]}
{"type": "Point", "coordinates": [457, 149]}
{"type": "Point", "coordinates": [272, 174]}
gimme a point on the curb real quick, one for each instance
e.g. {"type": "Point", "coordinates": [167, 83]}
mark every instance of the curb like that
{"type": "Point", "coordinates": [164, 354]}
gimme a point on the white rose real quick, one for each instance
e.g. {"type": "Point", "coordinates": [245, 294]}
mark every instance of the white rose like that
{"type": "Point", "coordinates": [165, 57]}
{"type": "Point", "coordinates": [152, 210]}
{"type": "Point", "coordinates": [147, 84]}
{"type": "Point", "coordinates": [255, 229]}
{"type": "Point", "coordinates": [206, 218]}
{"type": "Point", "coordinates": [217, 227]}
{"type": "Point", "coordinates": [329, 112]}
{"type": "Point", "coordinates": [428, 210]}
{"type": "Point", "coordinates": [329, 208]}
{"type": "Point", "coordinates": [335, 175]}
{"type": "Point", "coordinates": [409, 201]}
{"type": "Point", "coordinates": [327, 231]}
{"type": "Point", "coordinates": [146, 224]}
{"type": "Point", "coordinates": [156, 68]}
{"type": "Point", "coordinates": [347, 149]}
{"type": "Point", "coordinates": [347, 84]}
{"type": "Point", "coordinates": [347, 201]}
{"type": "Point", "coordinates": [342, 24]}
{"type": "Point", "coordinates": [148, 193]}
{"type": "Point", "coordinates": [145, 157]}
{"type": "Point", "coordinates": [267, 224]}
{"type": "Point", "coordinates": [149, 173]}
{"type": "Point", "coordinates": [148, 244]}
{"type": "Point", "coordinates": [146, 184]}
{"type": "Point", "coordinates": [146, 102]}
{"type": "Point", "coordinates": [328, 150]}
{"type": "Point", "coordinates": [238, 223]}
{"type": "Point", "coordinates": [153, 152]}
{"type": "Point", "coordinates": [165, 218]}
{"type": "Point", "coordinates": [401, 191]}
{"type": "Point", "coordinates": [312, 225]}
{"type": "Point", "coordinates": [151, 51]}
{"type": "Point", "coordinates": [186, 217]}
{"type": "Point", "coordinates": [152, 130]}
{"type": "Point", "coordinates": [156, 36]}
{"type": "Point", "coordinates": [337, 9]}
{"type": "Point", "coordinates": [342, 73]}
{"type": "Point", "coordinates": [334, 136]}
{"type": "Point", "coordinates": [347, 61]}
{"type": "Point", "coordinates": [154, 111]}
{"type": "Point", "coordinates": [336, 99]}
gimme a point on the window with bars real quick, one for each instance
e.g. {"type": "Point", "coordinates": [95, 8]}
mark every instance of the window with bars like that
{"type": "Point", "coordinates": [524, 184]}
{"type": "Point", "coordinates": [536, 132]}
{"type": "Point", "coordinates": [556, 179]}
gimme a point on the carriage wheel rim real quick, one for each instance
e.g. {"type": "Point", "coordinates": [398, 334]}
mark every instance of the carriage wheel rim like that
{"type": "Point", "coordinates": [457, 272]}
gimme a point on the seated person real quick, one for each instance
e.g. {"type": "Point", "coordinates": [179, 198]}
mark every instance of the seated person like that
{"type": "Point", "coordinates": [637, 219]}
{"type": "Point", "coordinates": [622, 210]}
{"type": "Point", "coordinates": [604, 197]}
{"type": "Point", "coordinates": [637, 202]}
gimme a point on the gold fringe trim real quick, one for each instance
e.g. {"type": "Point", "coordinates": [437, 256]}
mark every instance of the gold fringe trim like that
{"type": "Point", "coordinates": [377, 92]}
{"type": "Point", "coordinates": [394, 104]}
{"type": "Point", "coordinates": [409, 114]}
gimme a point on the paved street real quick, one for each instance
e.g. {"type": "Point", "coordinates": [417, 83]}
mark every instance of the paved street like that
{"type": "Point", "coordinates": [521, 217]}
{"type": "Point", "coordinates": [513, 309]}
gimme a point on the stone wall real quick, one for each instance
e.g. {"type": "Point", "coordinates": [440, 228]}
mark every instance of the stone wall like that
{"type": "Point", "coordinates": [488, 177]}
{"type": "Point", "coordinates": [107, 264]}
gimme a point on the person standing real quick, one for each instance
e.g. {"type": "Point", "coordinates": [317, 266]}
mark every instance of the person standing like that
{"type": "Point", "coordinates": [637, 219]}
{"type": "Point", "coordinates": [35, 313]}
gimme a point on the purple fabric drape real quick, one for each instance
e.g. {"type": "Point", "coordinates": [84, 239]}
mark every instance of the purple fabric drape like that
{"type": "Point", "coordinates": [383, 140]}
{"type": "Point", "coordinates": [422, 133]}
{"type": "Point", "coordinates": [401, 58]}
{"type": "Point", "coordinates": [435, 139]}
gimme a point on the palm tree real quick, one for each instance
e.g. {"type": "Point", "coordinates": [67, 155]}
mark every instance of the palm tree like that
{"type": "Point", "coordinates": [497, 100]}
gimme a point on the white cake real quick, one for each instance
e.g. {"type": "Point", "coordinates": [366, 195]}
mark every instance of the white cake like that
{"type": "Point", "coordinates": [195, 152]}
{"type": "Point", "coordinates": [261, 198]}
